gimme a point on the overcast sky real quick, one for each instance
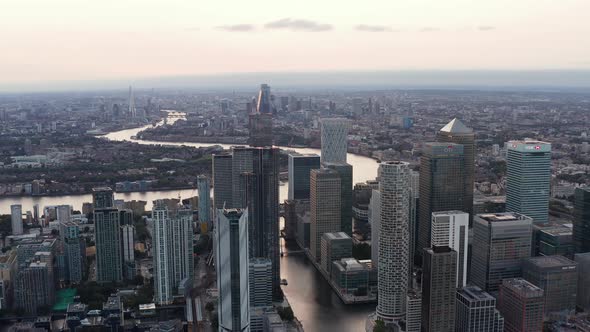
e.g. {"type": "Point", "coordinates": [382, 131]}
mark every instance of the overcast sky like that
{"type": "Point", "coordinates": [46, 40]}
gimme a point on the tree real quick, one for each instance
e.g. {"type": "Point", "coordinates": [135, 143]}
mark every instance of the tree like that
{"type": "Point", "coordinates": [379, 326]}
{"type": "Point", "coordinates": [286, 313]}
{"type": "Point", "coordinates": [210, 307]}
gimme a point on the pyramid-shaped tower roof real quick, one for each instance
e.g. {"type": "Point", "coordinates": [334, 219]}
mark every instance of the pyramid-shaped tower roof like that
{"type": "Point", "coordinates": [456, 127]}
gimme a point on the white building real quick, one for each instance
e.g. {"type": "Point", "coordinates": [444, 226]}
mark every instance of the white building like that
{"type": "Point", "coordinates": [451, 228]}
{"type": "Point", "coordinates": [334, 140]}
{"type": "Point", "coordinates": [260, 280]}
{"type": "Point", "coordinates": [16, 216]}
{"type": "Point", "coordinates": [232, 262]}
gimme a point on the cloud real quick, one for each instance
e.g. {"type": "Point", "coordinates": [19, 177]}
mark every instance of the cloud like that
{"type": "Point", "coordinates": [372, 28]}
{"type": "Point", "coordinates": [298, 25]}
{"type": "Point", "coordinates": [485, 28]}
{"type": "Point", "coordinates": [429, 29]}
{"type": "Point", "coordinates": [237, 27]}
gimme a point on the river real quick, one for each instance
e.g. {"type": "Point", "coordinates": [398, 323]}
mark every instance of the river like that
{"type": "Point", "coordinates": [313, 301]}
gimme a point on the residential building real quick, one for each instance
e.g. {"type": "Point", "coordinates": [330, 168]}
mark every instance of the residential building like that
{"type": "Point", "coordinates": [74, 250]}
{"type": "Point", "coordinates": [107, 228]}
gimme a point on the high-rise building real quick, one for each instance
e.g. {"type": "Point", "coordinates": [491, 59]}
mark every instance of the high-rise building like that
{"type": "Point", "coordinates": [260, 126]}
{"type": "Point", "coordinates": [392, 273]}
{"type": "Point", "coordinates": [581, 229]}
{"type": "Point", "coordinates": [501, 241]}
{"type": "Point", "coordinates": [414, 202]}
{"type": "Point", "coordinates": [204, 188]}
{"type": "Point", "coordinates": [64, 213]}
{"type": "Point", "coordinates": [442, 174]}
{"type": "Point", "coordinates": [74, 251]}
{"type": "Point", "coordinates": [334, 140]}
{"type": "Point", "coordinates": [456, 132]}
{"type": "Point", "coordinates": [451, 228]}
{"type": "Point", "coordinates": [132, 109]}
{"type": "Point", "coordinates": [172, 250]}
{"type": "Point", "coordinates": [232, 270]}
{"type": "Point", "coordinates": [325, 207]}
{"type": "Point", "coordinates": [16, 218]}
{"type": "Point", "coordinates": [300, 165]}
{"type": "Point", "coordinates": [33, 288]}
{"type": "Point", "coordinates": [128, 250]}
{"type": "Point", "coordinates": [414, 311]}
{"type": "Point", "coordinates": [528, 179]}
{"type": "Point", "coordinates": [476, 311]}
{"type": "Point", "coordinates": [557, 276]}
{"type": "Point", "coordinates": [345, 173]}
{"type": "Point", "coordinates": [222, 181]}
{"type": "Point", "coordinates": [264, 103]}
{"type": "Point", "coordinates": [107, 228]}
{"type": "Point", "coordinates": [439, 279]}
{"type": "Point", "coordinates": [583, 298]}
{"type": "Point", "coordinates": [334, 246]}
{"type": "Point", "coordinates": [375, 220]}
{"type": "Point", "coordinates": [521, 304]}
{"type": "Point", "coordinates": [260, 281]}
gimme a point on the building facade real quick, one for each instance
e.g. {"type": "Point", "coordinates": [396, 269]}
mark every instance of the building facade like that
{"type": "Point", "coordinates": [16, 219]}
{"type": "Point", "coordinates": [439, 279]}
{"type": "Point", "coordinates": [325, 207]}
{"type": "Point", "coordinates": [334, 134]}
{"type": "Point", "coordinates": [583, 296]}
{"type": "Point", "coordinates": [334, 246]}
{"type": "Point", "coordinates": [300, 166]}
{"type": "Point", "coordinates": [581, 229]}
{"type": "Point", "coordinates": [107, 229]}
{"type": "Point", "coordinates": [476, 311]}
{"type": "Point", "coordinates": [222, 181]}
{"type": "Point", "coordinates": [345, 173]}
{"type": "Point", "coordinates": [260, 281]}
{"type": "Point", "coordinates": [204, 188]}
{"type": "Point", "coordinates": [451, 228]}
{"type": "Point", "coordinates": [521, 304]}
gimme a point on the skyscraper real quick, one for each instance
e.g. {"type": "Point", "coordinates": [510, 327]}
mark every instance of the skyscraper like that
{"type": "Point", "coordinates": [456, 132]}
{"type": "Point", "coordinates": [107, 230]}
{"type": "Point", "coordinates": [528, 179]}
{"type": "Point", "coordinates": [375, 220]}
{"type": "Point", "coordinates": [501, 241]}
{"type": "Point", "coordinates": [74, 251]}
{"type": "Point", "coordinates": [16, 218]}
{"type": "Point", "coordinates": [583, 296]}
{"type": "Point", "coordinates": [204, 198]}
{"type": "Point", "coordinates": [33, 288]}
{"type": "Point", "coordinates": [451, 228]}
{"type": "Point", "coordinates": [172, 250]}
{"type": "Point", "coordinates": [300, 165]}
{"type": "Point", "coordinates": [325, 207]}
{"type": "Point", "coordinates": [392, 273]}
{"type": "Point", "coordinates": [414, 311]}
{"type": "Point", "coordinates": [476, 311]}
{"type": "Point", "coordinates": [264, 104]}
{"type": "Point", "coordinates": [521, 304]}
{"type": "Point", "coordinates": [439, 277]}
{"type": "Point", "coordinates": [260, 281]}
{"type": "Point", "coordinates": [557, 276]}
{"type": "Point", "coordinates": [334, 140]}
{"type": "Point", "coordinates": [414, 201]}
{"type": "Point", "coordinates": [222, 181]}
{"type": "Point", "coordinates": [581, 229]}
{"type": "Point", "coordinates": [232, 270]}
{"type": "Point", "coordinates": [442, 174]}
{"type": "Point", "coordinates": [345, 172]}
{"type": "Point", "coordinates": [260, 122]}
{"type": "Point", "coordinates": [132, 109]}
{"type": "Point", "coordinates": [128, 250]}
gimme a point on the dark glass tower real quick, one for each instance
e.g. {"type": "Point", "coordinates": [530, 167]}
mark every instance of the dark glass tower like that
{"type": "Point", "coordinates": [581, 230]}
{"type": "Point", "coordinates": [107, 228]}
{"type": "Point", "coordinates": [439, 278]}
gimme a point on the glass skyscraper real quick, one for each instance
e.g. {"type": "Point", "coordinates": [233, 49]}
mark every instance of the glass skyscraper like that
{"type": "Point", "coordinates": [300, 165]}
{"type": "Point", "coordinates": [581, 229]}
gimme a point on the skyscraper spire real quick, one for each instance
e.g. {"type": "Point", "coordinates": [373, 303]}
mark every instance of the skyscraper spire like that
{"type": "Point", "coordinates": [132, 110]}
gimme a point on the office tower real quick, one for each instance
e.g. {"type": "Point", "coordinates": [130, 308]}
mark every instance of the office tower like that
{"type": "Point", "coordinates": [74, 247]}
{"type": "Point", "coordinates": [264, 103]}
{"type": "Point", "coordinates": [476, 311]}
{"type": "Point", "coordinates": [260, 127]}
{"type": "Point", "coordinates": [442, 174]}
{"type": "Point", "coordinates": [581, 229]}
{"type": "Point", "coordinates": [439, 277]}
{"type": "Point", "coordinates": [107, 228]}
{"type": "Point", "coordinates": [172, 250]}
{"type": "Point", "coordinates": [33, 288]}
{"type": "Point", "coordinates": [242, 163]}
{"type": "Point", "coordinates": [583, 298]}
{"type": "Point", "coordinates": [414, 204]}
{"type": "Point", "coordinates": [132, 109]}
{"type": "Point", "coordinates": [361, 198]}
{"type": "Point", "coordinates": [290, 216]}
{"type": "Point", "coordinates": [500, 242]}
{"type": "Point", "coordinates": [300, 165]}
{"type": "Point", "coordinates": [258, 186]}
{"type": "Point", "coordinates": [64, 212]}
{"type": "Point", "coordinates": [334, 140]}
{"type": "Point", "coordinates": [36, 213]}
{"type": "Point", "coordinates": [16, 217]}
{"type": "Point", "coordinates": [232, 270]}
{"type": "Point", "coordinates": [204, 198]}
{"type": "Point", "coordinates": [345, 173]}
{"type": "Point", "coordinates": [128, 251]}
{"type": "Point", "coordinates": [451, 228]}
{"type": "Point", "coordinates": [222, 181]}
{"type": "Point", "coordinates": [414, 311]}
{"type": "Point", "coordinates": [528, 179]}
{"type": "Point", "coordinates": [260, 281]}
{"type": "Point", "coordinates": [553, 240]}
{"type": "Point", "coordinates": [325, 207]}
{"type": "Point", "coordinates": [456, 132]}
{"type": "Point", "coordinates": [557, 276]}
{"type": "Point", "coordinates": [334, 246]}
{"type": "Point", "coordinates": [392, 273]}
{"type": "Point", "coordinates": [521, 304]}
{"type": "Point", "coordinates": [375, 221]}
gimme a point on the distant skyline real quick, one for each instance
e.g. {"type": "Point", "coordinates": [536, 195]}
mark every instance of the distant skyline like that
{"type": "Point", "coordinates": [71, 40]}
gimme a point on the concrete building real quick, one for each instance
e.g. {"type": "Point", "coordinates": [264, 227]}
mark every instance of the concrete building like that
{"type": "Point", "coordinates": [204, 188]}
{"type": "Point", "coordinates": [392, 274]}
{"type": "Point", "coordinates": [476, 311]}
{"type": "Point", "coordinates": [345, 172]}
{"type": "Point", "coordinates": [260, 282]}
{"type": "Point", "coordinates": [456, 132]}
{"type": "Point", "coordinates": [451, 228]}
{"type": "Point", "coordinates": [33, 287]}
{"type": "Point", "coordinates": [232, 270]}
{"type": "Point", "coordinates": [501, 241]}
{"type": "Point", "coordinates": [222, 181]}
{"type": "Point", "coordinates": [583, 296]}
{"type": "Point", "coordinates": [414, 311]}
{"type": "Point", "coordinates": [439, 279]}
{"type": "Point", "coordinates": [581, 230]}
{"type": "Point", "coordinates": [300, 166]}
{"type": "Point", "coordinates": [325, 207]}
{"type": "Point", "coordinates": [74, 250]}
{"type": "Point", "coordinates": [528, 179]}
{"type": "Point", "coordinates": [442, 188]}
{"type": "Point", "coordinates": [334, 134]}
{"type": "Point", "coordinates": [334, 246]}
{"type": "Point", "coordinates": [351, 276]}
{"type": "Point", "coordinates": [16, 219]}
{"type": "Point", "coordinates": [557, 276]}
{"type": "Point", "coordinates": [521, 304]}
{"type": "Point", "coordinates": [107, 228]}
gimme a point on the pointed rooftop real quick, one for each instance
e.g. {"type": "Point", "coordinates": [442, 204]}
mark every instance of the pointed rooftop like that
{"type": "Point", "coordinates": [456, 127]}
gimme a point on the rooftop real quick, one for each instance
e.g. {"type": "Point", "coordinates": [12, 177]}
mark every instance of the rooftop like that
{"type": "Point", "coordinates": [475, 293]}
{"type": "Point", "coordinates": [456, 127]}
{"type": "Point", "coordinates": [523, 287]}
{"type": "Point", "coordinates": [336, 236]}
{"type": "Point", "coordinates": [551, 261]}
{"type": "Point", "coordinates": [502, 216]}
